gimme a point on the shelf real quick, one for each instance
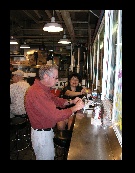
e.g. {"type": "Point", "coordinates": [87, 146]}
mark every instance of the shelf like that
{"type": "Point", "coordinates": [16, 55]}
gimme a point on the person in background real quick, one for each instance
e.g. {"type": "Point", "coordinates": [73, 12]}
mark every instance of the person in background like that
{"type": "Point", "coordinates": [70, 92]}
{"type": "Point", "coordinates": [17, 92]}
{"type": "Point", "coordinates": [41, 107]}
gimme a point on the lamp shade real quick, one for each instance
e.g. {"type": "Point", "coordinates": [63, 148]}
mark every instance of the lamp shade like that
{"type": "Point", "coordinates": [24, 46]}
{"type": "Point", "coordinates": [64, 40]}
{"type": "Point", "coordinates": [13, 41]}
{"type": "Point", "coordinates": [53, 27]}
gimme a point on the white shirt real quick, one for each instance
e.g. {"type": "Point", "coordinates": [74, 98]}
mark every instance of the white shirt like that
{"type": "Point", "coordinates": [17, 93]}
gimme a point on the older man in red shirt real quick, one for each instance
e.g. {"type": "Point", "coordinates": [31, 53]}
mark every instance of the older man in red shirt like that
{"type": "Point", "coordinates": [41, 106]}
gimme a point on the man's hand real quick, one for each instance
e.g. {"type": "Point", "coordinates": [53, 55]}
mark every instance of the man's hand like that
{"type": "Point", "coordinates": [76, 100]}
{"type": "Point", "coordinates": [79, 105]}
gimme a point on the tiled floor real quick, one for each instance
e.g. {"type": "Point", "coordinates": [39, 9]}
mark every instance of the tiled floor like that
{"type": "Point", "coordinates": [27, 153]}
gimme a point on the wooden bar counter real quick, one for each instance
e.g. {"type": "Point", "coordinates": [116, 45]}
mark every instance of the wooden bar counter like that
{"type": "Point", "coordinates": [93, 142]}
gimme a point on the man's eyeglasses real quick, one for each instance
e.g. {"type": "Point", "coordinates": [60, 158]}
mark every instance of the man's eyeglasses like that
{"type": "Point", "coordinates": [56, 78]}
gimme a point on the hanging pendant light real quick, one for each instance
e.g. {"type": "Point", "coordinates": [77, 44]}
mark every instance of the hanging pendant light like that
{"type": "Point", "coordinates": [13, 41]}
{"type": "Point", "coordinates": [24, 46]}
{"type": "Point", "coordinates": [53, 26]}
{"type": "Point", "coordinates": [64, 40]}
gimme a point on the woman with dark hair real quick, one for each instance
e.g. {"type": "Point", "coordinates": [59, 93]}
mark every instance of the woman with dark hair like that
{"type": "Point", "coordinates": [70, 92]}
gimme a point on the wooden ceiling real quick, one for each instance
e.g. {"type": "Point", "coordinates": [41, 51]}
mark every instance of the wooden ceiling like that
{"type": "Point", "coordinates": [80, 26]}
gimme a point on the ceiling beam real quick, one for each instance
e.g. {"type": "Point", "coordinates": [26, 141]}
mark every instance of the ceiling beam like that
{"type": "Point", "coordinates": [37, 13]}
{"type": "Point", "coordinates": [68, 22]}
{"type": "Point", "coordinates": [28, 14]}
{"type": "Point", "coordinates": [59, 16]}
{"type": "Point", "coordinates": [78, 11]}
{"type": "Point", "coordinates": [45, 36]}
{"type": "Point", "coordinates": [98, 24]}
{"type": "Point", "coordinates": [48, 14]}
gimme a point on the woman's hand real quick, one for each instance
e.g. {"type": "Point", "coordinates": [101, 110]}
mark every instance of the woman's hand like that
{"type": "Point", "coordinates": [83, 91]}
{"type": "Point", "coordinates": [89, 91]}
{"type": "Point", "coordinates": [86, 90]}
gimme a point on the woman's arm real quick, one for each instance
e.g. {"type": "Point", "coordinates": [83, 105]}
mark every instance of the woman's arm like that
{"type": "Point", "coordinates": [72, 93]}
{"type": "Point", "coordinates": [77, 93]}
{"type": "Point", "coordinates": [86, 90]}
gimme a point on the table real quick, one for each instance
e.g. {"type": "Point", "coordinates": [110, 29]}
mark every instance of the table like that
{"type": "Point", "coordinates": [93, 142]}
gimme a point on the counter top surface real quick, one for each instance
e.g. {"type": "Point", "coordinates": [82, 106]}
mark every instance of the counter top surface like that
{"type": "Point", "coordinates": [93, 142]}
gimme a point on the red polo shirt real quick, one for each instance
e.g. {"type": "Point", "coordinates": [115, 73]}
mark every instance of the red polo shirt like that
{"type": "Point", "coordinates": [41, 107]}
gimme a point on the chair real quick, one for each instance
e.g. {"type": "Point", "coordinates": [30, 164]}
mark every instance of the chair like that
{"type": "Point", "coordinates": [19, 133]}
{"type": "Point", "coordinates": [61, 142]}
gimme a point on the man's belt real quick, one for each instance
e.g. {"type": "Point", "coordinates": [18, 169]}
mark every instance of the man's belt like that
{"type": "Point", "coordinates": [22, 116]}
{"type": "Point", "coordinates": [48, 129]}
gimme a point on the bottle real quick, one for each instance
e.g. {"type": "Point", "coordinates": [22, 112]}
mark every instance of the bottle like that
{"type": "Point", "coordinates": [90, 97]}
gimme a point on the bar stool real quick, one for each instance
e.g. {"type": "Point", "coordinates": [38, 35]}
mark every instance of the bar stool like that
{"type": "Point", "coordinates": [21, 140]}
{"type": "Point", "coordinates": [61, 142]}
{"type": "Point", "coordinates": [28, 123]}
